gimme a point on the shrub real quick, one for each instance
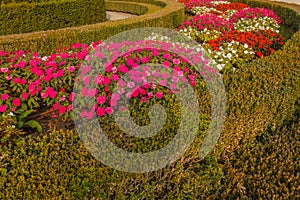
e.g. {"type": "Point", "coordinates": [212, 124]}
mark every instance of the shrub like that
{"type": "Point", "coordinates": [24, 17]}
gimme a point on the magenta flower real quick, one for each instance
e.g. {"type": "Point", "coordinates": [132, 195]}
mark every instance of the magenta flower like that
{"type": "Point", "coordinates": [16, 102]}
{"type": "Point", "coordinates": [4, 97]}
{"type": "Point", "coordinates": [86, 80]}
{"type": "Point", "coordinates": [51, 92]}
{"type": "Point", "coordinates": [101, 99]}
{"type": "Point", "coordinates": [100, 112]}
{"type": "Point", "coordinates": [3, 108]}
{"type": "Point", "coordinates": [159, 95]}
{"type": "Point", "coordinates": [109, 110]}
{"type": "Point", "coordinates": [62, 110]}
{"type": "Point", "coordinates": [24, 95]}
{"type": "Point", "coordinates": [123, 68]}
{"type": "Point", "coordinates": [115, 77]}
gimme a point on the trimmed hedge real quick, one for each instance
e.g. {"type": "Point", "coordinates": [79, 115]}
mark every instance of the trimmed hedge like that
{"type": "Point", "coordinates": [46, 42]}
{"type": "Point", "coordinates": [261, 97]}
{"type": "Point", "coordinates": [17, 18]}
{"type": "Point", "coordinates": [131, 7]}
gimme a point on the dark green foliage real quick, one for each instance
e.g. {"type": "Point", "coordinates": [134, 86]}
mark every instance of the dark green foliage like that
{"type": "Point", "coordinates": [17, 18]}
{"type": "Point", "coordinates": [170, 16]}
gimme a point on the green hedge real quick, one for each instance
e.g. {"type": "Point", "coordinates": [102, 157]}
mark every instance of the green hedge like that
{"type": "Point", "coordinates": [261, 97]}
{"type": "Point", "coordinates": [16, 18]}
{"type": "Point", "coordinates": [131, 7]}
{"type": "Point", "coordinates": [46, 42]}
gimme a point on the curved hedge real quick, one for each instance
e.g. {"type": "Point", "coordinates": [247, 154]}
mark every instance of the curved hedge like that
{"type": "Point", "coordinates": [261, 96]}
{"type": "Point", "coordinates": [46, 42]}
{"type": "Point", "coordinates": [131, 7]}
{"type": "Point", "coordinates": [24, 17]}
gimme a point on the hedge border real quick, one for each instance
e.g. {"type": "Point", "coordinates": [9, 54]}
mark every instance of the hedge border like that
{"type": "Point", "coordinates": [131, 7]}
{"type": "Point", "coordinates": [25, 17]}
{"type": "Point", "coordinates": [46, 42]}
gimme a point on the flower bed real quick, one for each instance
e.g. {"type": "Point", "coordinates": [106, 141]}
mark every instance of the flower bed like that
{"type": "Point", "coordinates": [29, 82]}
{"type": "Point", "coordinates": [256, 31]}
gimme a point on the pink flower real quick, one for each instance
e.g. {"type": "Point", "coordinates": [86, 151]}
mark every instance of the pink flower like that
{"type": "Point", "coordinates": [159, 95]}
{"type": "Point", "coordinates": [4, 70]}
{"type": "Point", "coordinates": [144, 60]}
{"type": "Point", "coordinates": [62, 98]}
{"type": "Point", "coordinates": [166, 56]}
{"type": "Point", "coordinates": [16, 102]}
{"type": "Point", "coordinates": [24, 95]}
{"type": "Point", "coordinates": [22, 64]}
{"type": "Point", "coordinates": [62, 110]}
{"type": "Point", "coordinates": [51, 92]}
{"type": "Point", "coordinates": [150, 95]}
{"type": "Point", "coordinates": [166, 64]}
{"type": "Point", "coordinates": [92, 92]}
{"type": "Point", "coordinates": [4, 97]}
{"type": "Point", "coordinates": [86, 80]}
{"type": "Point", "coordinates": [106, 81]}
{"type": "Point", "coordinates": [69, 108]}
{"type": "Point", "coordinates": [115, 77]}
{"type": "Point", "coordinates": [146, 85]}
{"type": "Point", "coordinates": [100, 112]}
{"type": "Point", "coordinates": [8, 78]}
{"type": "Point", "coordinates": [71, 68]}
{"type": "Point", "coordinates": [72, 96]}
{"type": "Point", "coordinates": [155, 52]}
{"type": "Point", "coordinates": [123, 68]}
{"type": "Point", "coordinates": [176, 61]}
{"type": "Point", "coordinates": [121, 83]}
{"type": "Point", "coordinates": [162, 82]}
{"type": "Point", "coordinates": [22, 81]}
{"type": "Point", "coordinates": [130, 84]}
{"type": "Point", "coordinates": [109, 110]}
{"type": "Point", "coordinates": [3, 108]}
{"type": "Point", "coordinates": [101, 99]}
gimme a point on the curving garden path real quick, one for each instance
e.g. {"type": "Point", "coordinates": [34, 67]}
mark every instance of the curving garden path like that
{"type": "Point", "coordinates": [118, 15]}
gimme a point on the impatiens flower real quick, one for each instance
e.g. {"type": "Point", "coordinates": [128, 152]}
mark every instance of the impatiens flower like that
{"type": "Point", "coordinates": [62, 110]}
{"type": "Point", "coordinates": [101, 99]}
{"type": "Point", "coordinates": [159, 95]}
{"type": "Point", "coordinates": [16, 102]}
{"type": "Point", "coordinates": [24, 95]}
{"type": "Point", "coordinates": [51, 92]}
{"type": "Point", "coordinates": [100, 112]}
{"type": "Point", "coordinates": [115, 77]}
{"type": "Point", "coordinates": [109, 110]}
{"type": "Point", "coordinates": [3, 108]}
{"type": "Point", "coordinates": [4, 97]}
{"type": "Point", "coordinates": [123, 69]}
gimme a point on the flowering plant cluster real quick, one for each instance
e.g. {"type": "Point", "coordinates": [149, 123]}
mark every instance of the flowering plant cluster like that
{"type": "Point", "coordinates": [30, 82]}
{"type": "Point", "coordinates": [232, 33]}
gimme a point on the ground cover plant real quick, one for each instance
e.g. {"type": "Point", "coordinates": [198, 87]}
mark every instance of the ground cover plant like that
{"type": "Point", "coordinates": [233, 35]}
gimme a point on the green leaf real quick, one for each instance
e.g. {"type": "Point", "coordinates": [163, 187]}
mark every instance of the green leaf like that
{"type": "Point", "coordinates": [25, 114]}
{"type": "Point", "coordinates": [35, 124]}
{"type": "Point", "coordinates": [20, 124]}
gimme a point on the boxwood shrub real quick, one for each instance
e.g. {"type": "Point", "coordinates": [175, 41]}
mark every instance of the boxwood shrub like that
{"type": "Point", "coordinates": [170, 16]}
{"type": "Point", "coordinates": [24, 17]}
{"type": "Point", "coordinates": [248, 161]}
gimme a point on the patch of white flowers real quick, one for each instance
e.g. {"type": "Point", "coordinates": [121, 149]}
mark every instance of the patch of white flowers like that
{"type": "Point", "coordinates": [202, 10]}
{"type": "Point", "coordinates": [257, 24]}
{"type": "Point", "coordinates": [231, 52]}
{"type": "Point", "coordinates": [220, 2]}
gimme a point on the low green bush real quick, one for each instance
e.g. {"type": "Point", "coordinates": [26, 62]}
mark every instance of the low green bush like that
{"type": "Point", "coordinates": [126, 7]}
{"type": "Point", "coordinates": [24, 17]}
{"type": "Point", "coordinates": [46, 42]}
{"type": "Point", "coordinates": [246, 163]}
{"type": "Point", "coordinates": [268, 167]}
